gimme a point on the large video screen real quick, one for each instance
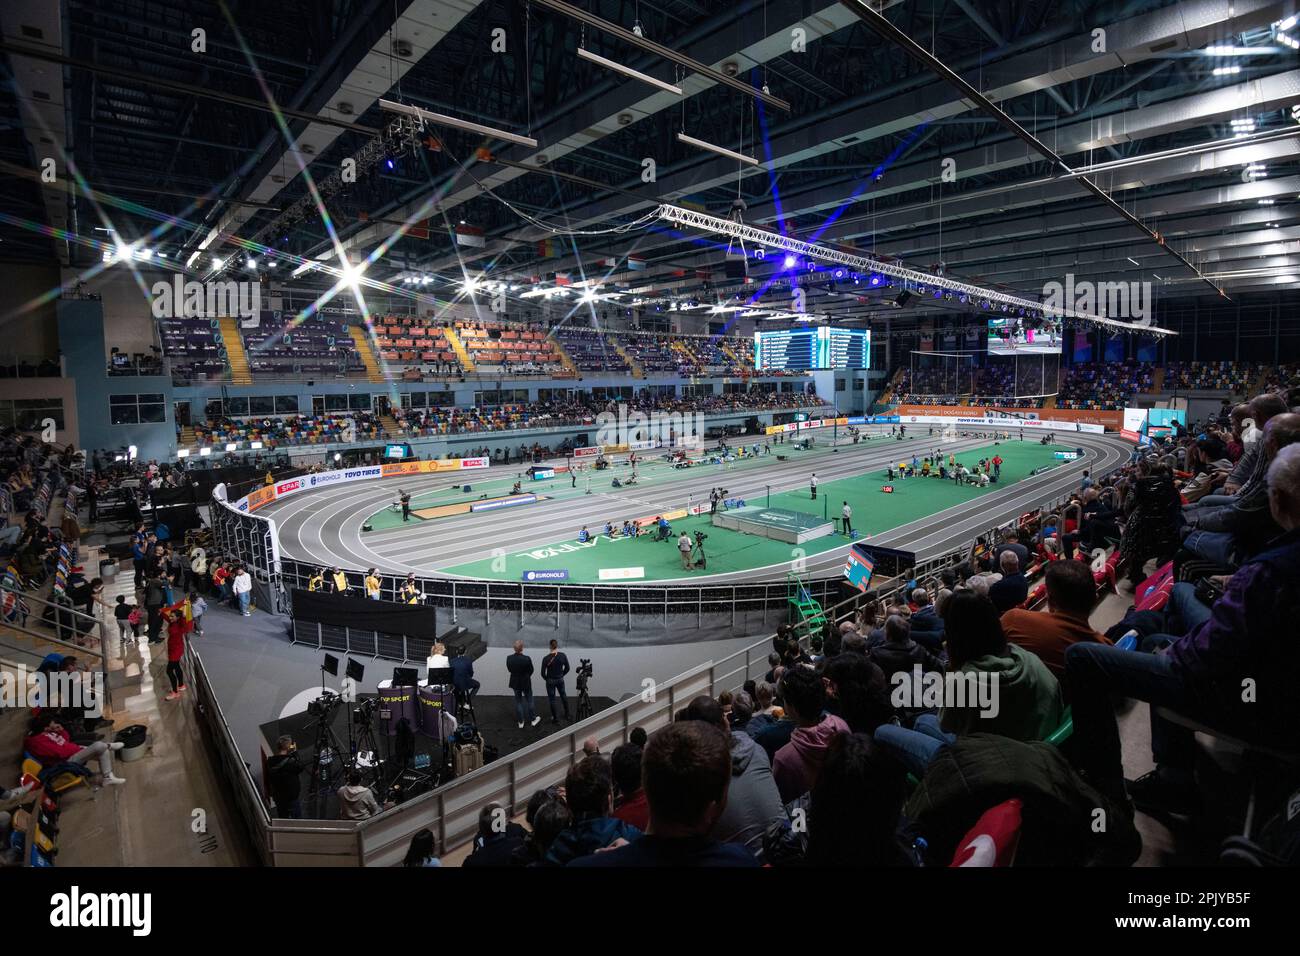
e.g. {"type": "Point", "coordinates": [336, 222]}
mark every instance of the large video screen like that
{"type": "Point", "coordinates": [822, 347]}
{"type": "Point", "coordinates": [1166, 417]}
{"type": "Point", "coordinates": [1018, 337]}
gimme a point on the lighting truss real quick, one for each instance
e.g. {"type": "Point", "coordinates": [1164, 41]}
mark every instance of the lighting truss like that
{"type": "Point", "coordinates": [739, 230]}
{"type": "Point", "coordinates": [441, 119]}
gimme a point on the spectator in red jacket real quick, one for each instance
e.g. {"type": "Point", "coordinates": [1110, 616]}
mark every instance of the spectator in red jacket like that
{"type": "Point", "coordinates": [177, 628]}
{"type": "Point", "coordinates": [51, 745]}
{"type": "Point", "coordinates": [625, 765]}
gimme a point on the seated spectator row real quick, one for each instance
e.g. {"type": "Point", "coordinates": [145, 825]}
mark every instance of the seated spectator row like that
{"type": "Point", "coordinates": [1103, 386]}
{"type": "Point", "coordinates": [293, 430]}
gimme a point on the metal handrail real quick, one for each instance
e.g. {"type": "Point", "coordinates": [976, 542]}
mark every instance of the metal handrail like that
{"type": "Point", "coordinates": [77, 649]}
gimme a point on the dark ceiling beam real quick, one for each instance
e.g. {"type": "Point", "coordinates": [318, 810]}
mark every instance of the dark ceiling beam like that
{"type": "Point", "coordinates": [888, 31]}
{"type": "Point", "coordinates": [681, 59]}
{"type": "Point", "coordinates": [16, 49]}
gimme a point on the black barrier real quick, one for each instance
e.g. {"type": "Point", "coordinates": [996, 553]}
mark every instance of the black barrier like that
{"type": "Point", "coordinates": [888, 562]}
{"type": "Point", "coordinates": [363, 614]}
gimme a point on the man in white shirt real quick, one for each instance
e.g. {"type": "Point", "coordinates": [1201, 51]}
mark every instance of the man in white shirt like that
{"type": "Point", "coordinates": [243, 589]}
{"type": "Point", "coordinates": [812, 483]}
{"type": "Point", "coordinates": [847, 512]}
{"type": "Point", "coordinates": [684, 547]}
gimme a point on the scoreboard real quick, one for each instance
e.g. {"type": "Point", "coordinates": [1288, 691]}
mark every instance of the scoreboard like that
{"type": "Point", "coordinates": [845, 348]}
{"type": "Point", "coordinates": [794, 349]}
{"type": "Point", "coordinates": [822, 347]}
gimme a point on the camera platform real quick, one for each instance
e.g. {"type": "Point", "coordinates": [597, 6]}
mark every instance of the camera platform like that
{"type": "Point", "coordinates": [779, 524]}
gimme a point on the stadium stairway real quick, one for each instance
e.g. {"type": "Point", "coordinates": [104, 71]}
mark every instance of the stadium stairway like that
{"type": "Point", "coordinates": [566, 359]}
{"type": "Point", "coordinates": [391, 428]}
{"type": "Point", "coordinates": [731, 353]}
{"type": "Point", "coordinates": [886, 396]}
{"type": "Point", "coordinates": [236, 357]}
{"type": "Point", "coordinates": [1157, 380]}
{"type": "Point", "coordinates": [189, 437]}
{"type": "Point", "coordinates": [1049, 401]}
{"type": "Point", "coordinates": [367, 354]}
{"type": "Point", "coordinates": [637, 370]}
{"type": "Point", "coordinates": [457, 346]}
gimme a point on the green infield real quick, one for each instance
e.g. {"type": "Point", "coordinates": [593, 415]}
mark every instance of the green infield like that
{"type": "Point", "coordinates": [732, 551]}
{"type": "Point", "coordinates": [652, 472]}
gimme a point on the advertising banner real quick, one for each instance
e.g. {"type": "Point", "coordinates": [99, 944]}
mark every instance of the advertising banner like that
{"type": "Point", "coordinates": [404, 468]}
{"type": "Point", "coordinates": [590, 452]}
{"type": "Point", "coordinates": [621, 574]}
{"type": "Point", "coordinates": [260, 497]}
{"type": "Point", "coordinates": [1111, 420]}
{"type": "Point", "coordinates": [559, 574]}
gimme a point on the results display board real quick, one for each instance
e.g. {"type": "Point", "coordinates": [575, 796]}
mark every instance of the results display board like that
{"type": "Point", "coordinates": [822, 347]}
{"type": "Point", "coordinates": [786, 349]}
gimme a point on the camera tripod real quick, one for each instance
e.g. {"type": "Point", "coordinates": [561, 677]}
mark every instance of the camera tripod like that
{"type": "Point", "coordinates": [584, 701]}
{"type": "Point", "coordinates": [365, 743]}
{"type": "Point", "coordinates": [328, 755]}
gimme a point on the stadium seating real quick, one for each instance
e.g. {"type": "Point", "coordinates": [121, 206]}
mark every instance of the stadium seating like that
{"type": "Point", "coordinates": [279, 344]}
{"type": "Point", "coordinates": [1235, 377]}
{"type": "Point", "coordinates": [293, 430]}
{"type": "Point", "coordinates": [508, 345]}
{"type": "Point", "coordinates": [1103, 386]}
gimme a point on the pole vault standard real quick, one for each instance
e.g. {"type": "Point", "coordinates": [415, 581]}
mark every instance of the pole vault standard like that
{"type": "Point", "coordinates": [744, 232]}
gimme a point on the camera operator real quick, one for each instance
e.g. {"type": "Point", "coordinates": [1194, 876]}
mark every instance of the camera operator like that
{"type": "Point", "coordinates": [284, 778]}
{"type": "Point", "coordinates": [685, 546]}
{"type": "Point", "coordinates": [554, 666]}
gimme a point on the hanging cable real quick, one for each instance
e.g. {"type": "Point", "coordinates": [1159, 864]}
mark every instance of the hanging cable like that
{"type": "Point", "coordinates": [557, 230]}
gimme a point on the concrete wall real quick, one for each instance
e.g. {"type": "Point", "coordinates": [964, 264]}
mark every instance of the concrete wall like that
{"type": "Point", "coordinates": [63, 389]}
{"type": "Point", "coordinates": [81, 332]}
{"type": "Point", "coordinates": [28, 325]}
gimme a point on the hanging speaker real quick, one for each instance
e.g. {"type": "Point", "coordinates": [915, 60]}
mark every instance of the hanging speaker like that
{"type": "Point", "coordinates": [903, 299]}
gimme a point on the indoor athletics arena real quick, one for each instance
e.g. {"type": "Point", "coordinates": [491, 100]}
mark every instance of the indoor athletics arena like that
{"type": "Point", "coordinates": [508, 434]}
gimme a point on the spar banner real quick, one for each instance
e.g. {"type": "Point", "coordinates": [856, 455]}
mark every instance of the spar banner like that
{"type": "Point", "coordinates": [590, 452]}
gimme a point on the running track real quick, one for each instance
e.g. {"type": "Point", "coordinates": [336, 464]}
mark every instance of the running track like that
{"type": "Point", "coordinates": [324, 526]}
